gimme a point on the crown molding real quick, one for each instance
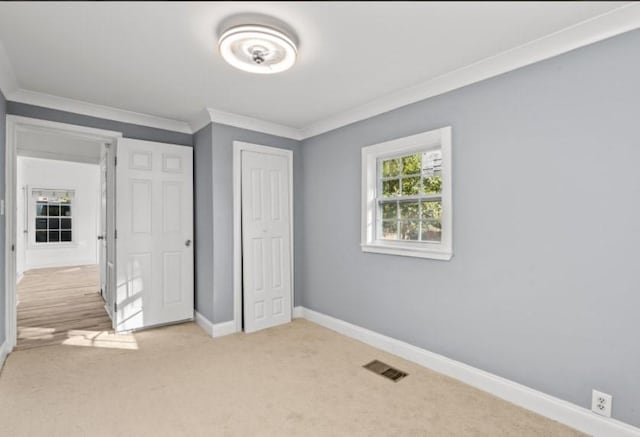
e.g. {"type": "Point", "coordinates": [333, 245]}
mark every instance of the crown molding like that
{"type": "Point", "coordinates": [200, 120]}
{"type": "Point", "coordinates": [100, 111]}
{"type": "Point", "coordinates": [249, 123]}
{"type": "Point", "coordinates": [612, 23]}
{"type": "Point", "coordinates": [8, 80]}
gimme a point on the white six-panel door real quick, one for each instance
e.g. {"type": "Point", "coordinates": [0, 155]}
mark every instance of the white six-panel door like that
{"type": "Point", "coordinates": [266, 239]}
{"type": "Point", "coordinates": [154, 217]}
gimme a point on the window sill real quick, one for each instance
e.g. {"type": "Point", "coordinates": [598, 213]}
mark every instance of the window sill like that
{"type": "Point", "coordinates": [407, 250]}
{"type": "Point", "coordinates": [52, 246]}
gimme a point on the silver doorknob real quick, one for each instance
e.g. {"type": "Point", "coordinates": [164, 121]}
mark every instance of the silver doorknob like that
{"type": "Point", "coordinates": [187, 243]}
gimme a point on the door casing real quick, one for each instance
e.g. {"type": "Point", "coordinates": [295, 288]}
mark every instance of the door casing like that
{"type": "Point", "coordinates": [238, 148]}
{"type": "Point", "coordinates": [16, 124]}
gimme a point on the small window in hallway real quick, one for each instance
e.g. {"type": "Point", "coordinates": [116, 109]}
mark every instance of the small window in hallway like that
{"type": "Point", "coordinates": [53, 216]}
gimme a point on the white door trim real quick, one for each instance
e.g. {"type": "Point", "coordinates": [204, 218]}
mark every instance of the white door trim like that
{"type": "Point", "coordinates": [16, 124]}
{"type": "Point", "coordinates": [238, 148]}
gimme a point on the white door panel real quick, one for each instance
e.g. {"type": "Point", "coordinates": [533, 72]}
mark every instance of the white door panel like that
{"type": "Point", "coordinates": [155, 232]}
{"type": "Point", "coordinates": [107, 252]}
{"type": "Point", "coordinates": [102, 231]}
{"type": "Point", "coordinates": [109, 238]}
{"type": "Point", "coordinates": [266, 240]}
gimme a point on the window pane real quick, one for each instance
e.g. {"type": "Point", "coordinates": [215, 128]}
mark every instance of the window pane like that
{"type": "Point", "coordinates": [411, 186]}
{"type": "Point", "coordinates": [390, 188]}
{"type": "Point", "coordinates": [431, 210]}
{"type": "Point", "coordinates": [432, 184]}
{"type": "Point", "coordinates": [431, 231]}
{"type": "Point", "coordinates": [41, 209]}
{"type": "Point", "coordinates": [41, 223]}
{"type": "Point", "coordinates": [65, 236]}
{"type": "Point", "coordinates": [409, 210]}
{"type": "Point", "coordinates": [65, 210]}
{"type": "Point", "coordinates": [65, 223]}
{"type": "Point", "coordinates": [431, 162]}
{"type": "Point", "coordinates": [54, 223]}
{"type": "Point", "coordinates": [390, 210]}
{"type": "Point", "coordinates": [54, 210]}
{"type": "Point", "coordinates": [411, 164]}
{"type": "Point", "coordinates": [41, 236]}
{"type": "Point", "coordinates": [390, 168]}
{"type": "Point", "coordinates": [390, 229]}
{"type": "Point", "coordinates": [409, 230]}
{"type": "Point", "coordinates": [54, 236]}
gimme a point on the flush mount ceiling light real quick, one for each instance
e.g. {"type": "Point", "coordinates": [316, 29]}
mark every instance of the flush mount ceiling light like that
{"type": "Point", "coordinates": [258, 49]}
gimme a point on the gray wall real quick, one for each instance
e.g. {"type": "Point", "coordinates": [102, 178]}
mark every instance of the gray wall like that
{"type": "Point", "coordinates": [543, 288]}
{"type": "Point", "coordinates": [128, 130]}
{"type": "Point", "coordinates": [223, 138]}
{"type": "Point", "coordinates": [203, 244]}
{"type": "Point", "coordinates": [213, 186]}
{"type": "Point", "coordinates": [3, 136]}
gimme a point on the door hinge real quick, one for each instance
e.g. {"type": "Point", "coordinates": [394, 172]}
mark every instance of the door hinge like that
{"type": "Point", "coordinates": [115, 234]}
{"type": "Point", "coordinates": [115, 161]}
{"type": "Point", "coordinates": [115, 307]}
{"type": "Point", "coordinates": [13, 248]}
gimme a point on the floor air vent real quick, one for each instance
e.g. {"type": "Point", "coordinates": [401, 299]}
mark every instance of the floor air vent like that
{"type": "Point", "coordinates": [385, 370]}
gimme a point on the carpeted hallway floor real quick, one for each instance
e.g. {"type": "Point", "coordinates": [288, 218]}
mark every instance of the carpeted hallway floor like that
{"type": "Point", "coordinates": [292, 380]}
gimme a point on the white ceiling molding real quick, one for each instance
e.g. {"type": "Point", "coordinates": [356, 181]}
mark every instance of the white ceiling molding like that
{"type": "Point", "coordinates": [8, 80]}
{"type": "Point", "coordinates": [93, 110]}
{"type": "Point", "coordinates": [620, 20]}
{"type": "Point", "coordinates": [617, 21]}
{"type": "Point", "coordinates": [254, 124]}
{"type": "Point", "coordinates": [202, 119]}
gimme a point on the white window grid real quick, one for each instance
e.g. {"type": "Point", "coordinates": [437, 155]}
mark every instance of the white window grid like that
{"type": "Point", "coordinates": [434, 168]}
{"type": "Point", "coordinates": [47, 199]}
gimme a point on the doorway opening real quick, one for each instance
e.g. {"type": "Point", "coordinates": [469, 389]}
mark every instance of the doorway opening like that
{"type": "Point", "coordinates": [58, 210]}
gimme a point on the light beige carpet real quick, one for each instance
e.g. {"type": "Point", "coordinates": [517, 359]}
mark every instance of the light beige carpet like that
{"type": "Point", "coordinates": [294, 380]}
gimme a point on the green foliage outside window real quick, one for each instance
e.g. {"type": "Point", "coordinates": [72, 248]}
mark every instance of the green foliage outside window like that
{"type": "Point", "coordinates": [408, 176]}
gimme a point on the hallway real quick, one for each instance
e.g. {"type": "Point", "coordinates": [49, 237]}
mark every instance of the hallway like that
{"type": "Point", "coordinates": [55, 304]}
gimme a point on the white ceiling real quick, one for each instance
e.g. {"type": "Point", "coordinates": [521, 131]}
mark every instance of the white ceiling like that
{"type": "Point", "coordinates": [43, 143]}
{"type": "Point", "coordinates": [161, 58]}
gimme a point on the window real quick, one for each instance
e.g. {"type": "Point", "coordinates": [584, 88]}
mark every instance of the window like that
{"type": "Point", "coordinates": [406, 195]}
{"type": "Point", "coordinates": [53, 216]}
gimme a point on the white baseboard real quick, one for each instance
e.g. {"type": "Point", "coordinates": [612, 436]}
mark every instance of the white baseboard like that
{"type": "Point", "coordinates": [215, 329]}
{"type": "Point", "coordinates": [546, 405]}
{"type": "Point", "coordinates": [224, 328]}
{"type": "Point", "coordinates": [204, 323]}
{"type": "Point", "coordinates": [4, 351]}
{"type": "Point", "coordinates": [298, 312]}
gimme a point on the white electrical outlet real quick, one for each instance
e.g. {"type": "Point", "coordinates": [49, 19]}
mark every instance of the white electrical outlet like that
{"type": "Point", "coordinates": [601, 403]}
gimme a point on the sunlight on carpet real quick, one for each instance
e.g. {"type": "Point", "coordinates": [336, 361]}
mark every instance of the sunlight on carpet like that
{"type": "Point", "coordinates": [103, 339]}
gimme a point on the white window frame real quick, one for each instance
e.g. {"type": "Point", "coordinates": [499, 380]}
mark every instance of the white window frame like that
{"type": "Point", "coordinates": [442, 250]}
{"type": "Point", "coordinates": [31, 217]}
